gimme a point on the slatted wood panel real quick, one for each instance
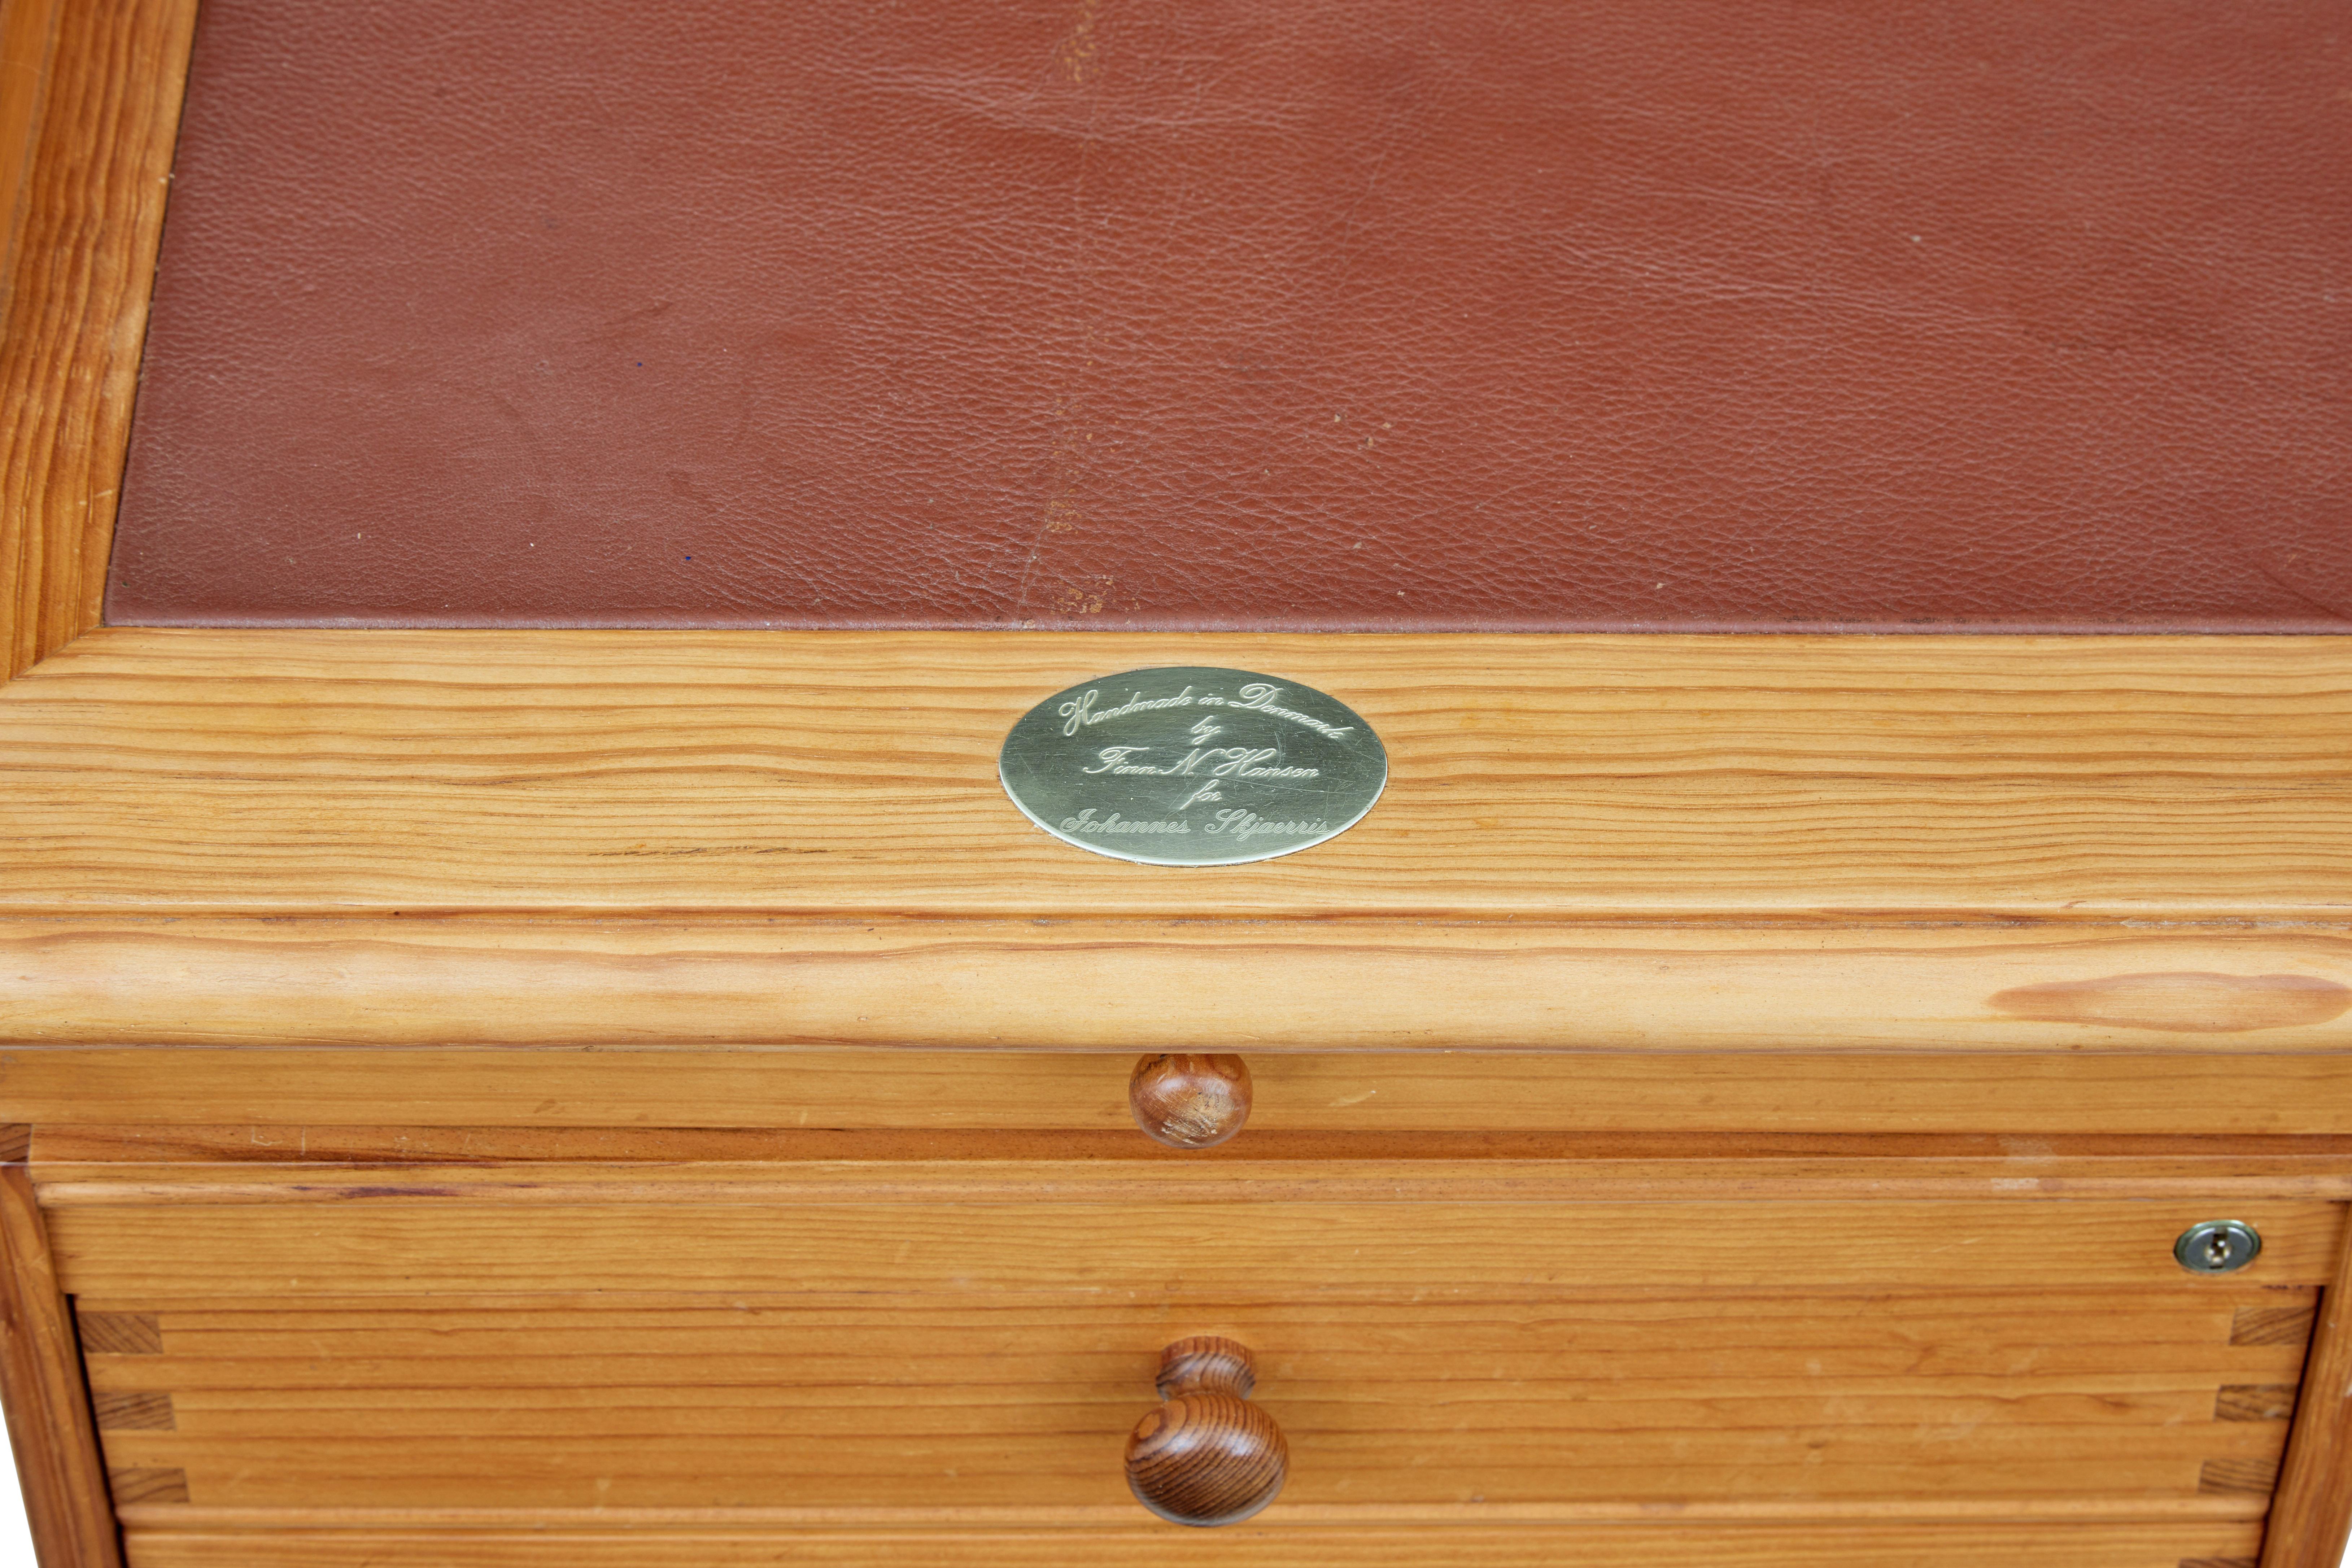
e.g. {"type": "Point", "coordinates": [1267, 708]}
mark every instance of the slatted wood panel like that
{"type": "Point", "coordinates": [1242, 1546]}
{"type": "Point", "coordinates": [276, 1091]}
{"type": "Point", "coordinates": [855, 772]}
{"type": "Point", "coordinates": [1598, 1401]}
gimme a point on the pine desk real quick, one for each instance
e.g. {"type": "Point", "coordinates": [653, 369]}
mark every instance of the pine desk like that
{"type": "Point", "coordinates": [514, 1095]}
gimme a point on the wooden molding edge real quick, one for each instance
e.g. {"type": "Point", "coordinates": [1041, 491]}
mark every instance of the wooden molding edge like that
{"type": "Point", "coordinates": [86, 216]}
{"type": "Point", "coordinates": [2145, 781]}
{"type": "Point", "coordinates": [28, 28]}
{"type": "Point", "coordinates": [2311, 1513]}
{"type": "Point", "coordinates": [1123, 983]}
{"type": "Point", "coordinates": [66, 1503]}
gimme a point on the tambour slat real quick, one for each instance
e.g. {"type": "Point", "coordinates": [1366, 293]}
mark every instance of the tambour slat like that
{"type": "Point", "coordinates": [414, 1243]}
{"type": "Point", "coordinates": [1658, 1545]}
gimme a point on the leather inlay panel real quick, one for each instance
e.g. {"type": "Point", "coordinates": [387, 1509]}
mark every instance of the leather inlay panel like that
{"type": "Point", "coordinates": [2023, 314]}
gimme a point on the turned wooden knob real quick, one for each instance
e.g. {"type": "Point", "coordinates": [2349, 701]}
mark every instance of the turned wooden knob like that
{"type": "Point", "coordinates": [1207, 1456]}
{"type": "Point", "coordinates": [1190, 1101]}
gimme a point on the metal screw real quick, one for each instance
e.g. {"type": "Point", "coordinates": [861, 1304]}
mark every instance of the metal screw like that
{"type": "Point", "coordinates": [2217, 1247]}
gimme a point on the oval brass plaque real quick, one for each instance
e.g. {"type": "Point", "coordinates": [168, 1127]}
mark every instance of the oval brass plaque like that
{"type": "Point", "coordinates": [1192, 766]}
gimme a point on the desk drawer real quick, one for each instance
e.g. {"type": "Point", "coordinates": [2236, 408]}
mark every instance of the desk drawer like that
{"type": "Point", "coordinates": [1574, 1404]}
{"type": "Point", "coordinates": [408, 1364]}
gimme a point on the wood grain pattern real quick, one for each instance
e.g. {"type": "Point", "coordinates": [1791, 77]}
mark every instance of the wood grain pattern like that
{"type": "Point", "coordinates": [1331, 985]}
{"type": "Point", "coordinates": [1519, 1407]}
{"type": "Point", "coordinates": [119, 1333]}
{"type": "Point", "coordinates": [2256, 1477]}
{"type": "Point", "coordinates": [2273, 1325]}
{"type": "Point", "coordinates": [855, 772]}
{"type": "Point", "coordinates": [1869, 786]}
{"type": "Point", "coordinates": [1188, 1100]}
{"type": "Point", "coordinates": [2070, 1510]}
{"type": "Point", "coordinates": [66, 1505]}
{"type": "Point", "coordinates": [81, 262]}
{"type": "Point", "coordinates": [92, 1167]}
{"type": "Point", "coordinates": [138, 1412]}
{"type": "Point", "coordinates": [148, 1484]}
{"type": "Point", "coordinates": [1022, 1239]}
{"type": "Point", "coordinates": [1253, 1545]}
{"type": "Point", "coordinates": [26, 30]}
{"type": "Point", "coordinates": [77, 1166]}
{"type": "Point", "coordinates": [2255, 1402]}
{"type": "Point", "coordinates": [1205, 1456]}
{"type": "Point", "coordinates": [2167, 1345]}
{"type": "Point", "coordinates": [274, 1093]}
{"type": "Point", "coordinates": [2311, 1517]}
{"type": "Point", "coordinates": [1916, 1163]}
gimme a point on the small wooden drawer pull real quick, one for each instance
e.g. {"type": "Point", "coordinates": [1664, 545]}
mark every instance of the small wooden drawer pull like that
{"type": "Point", "coordinates": [1207, 1456]}
{"type": "Point", "coordinates": [1190, 1101]}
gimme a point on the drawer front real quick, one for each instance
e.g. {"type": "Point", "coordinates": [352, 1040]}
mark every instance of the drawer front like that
{"type": "Point", "coordinates": [411, 1362]}
{"type": "Point", "coordinates": [1583, 1404]}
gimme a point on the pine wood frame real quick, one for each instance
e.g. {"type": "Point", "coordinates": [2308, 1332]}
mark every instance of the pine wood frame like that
{"type": "Point", "coordinates": [1733, 954]}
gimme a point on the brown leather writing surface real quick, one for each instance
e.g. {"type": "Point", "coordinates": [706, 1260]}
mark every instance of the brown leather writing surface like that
{"type": "Point", "coordinates": [2012, 314]}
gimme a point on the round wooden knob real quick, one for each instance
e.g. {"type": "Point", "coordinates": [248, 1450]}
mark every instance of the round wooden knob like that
{"type": "Point", "coordinates": [1190, 1102]}
{"type": "Point", "coordinates": [1207, 1456]}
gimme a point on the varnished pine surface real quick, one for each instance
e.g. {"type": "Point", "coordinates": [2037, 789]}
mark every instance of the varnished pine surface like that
{"type": "Point", "coordinates": [26, 27]}
{"type": "Point", "coordinates": [276, 1091]}
{"type": "Point", "coordinates": [801, 1253]}
{"type": "Point", "coordinates": [894, 1339]}
{"type": "Point", "coordinates": [66, 1511]}
{"type": "Point", "coordinates": [89, 210]}
{"type": "Point", "coordinates": [87, 1167]}
{"type": "Point", "coordinates": [337, 790]}
{"type": "Point", "coordinates": [1319, 985]}
{"type": "Point", "coordinates": [1887, 1162]}
{"type": "Point", "coordinates": [853, 773]}
{"type": "Point", "coordinates": [1519, 1407]}
{"type": "Point", "coordinates": [1188, 1100]}
{"type": "Point", "coordinates": [1205, 1456]}
{"type": "Point", "coordinates": [2312, 1510]}
{"type": "Point", "coordinates": [1847, 1359]}
{"type": "Point", "coordinates": [413, 1236]}
{"type": "Point", "coordinates": [1251, 1545]}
